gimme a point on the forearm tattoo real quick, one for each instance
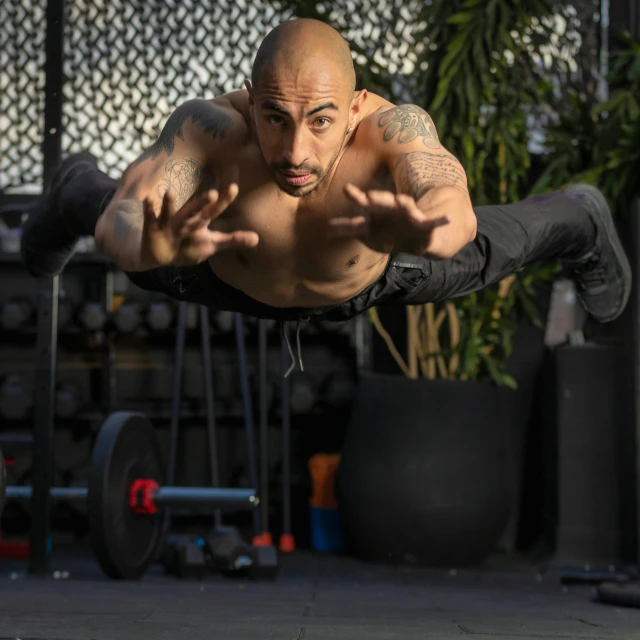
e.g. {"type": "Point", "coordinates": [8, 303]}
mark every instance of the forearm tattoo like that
{"type": "Point", "coordinates": [128, 215]}
{"type": "Point", "coordinates": [213, 121]}
{"type": "Point", "coordinates": [409, 122]}
{"type": "Point", "coordinates": [418, 171]}
{"type": "Point", "coordinates": [182, 175]}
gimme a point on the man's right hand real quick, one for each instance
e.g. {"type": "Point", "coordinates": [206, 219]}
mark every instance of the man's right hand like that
{"type": "Point", "coordinates": [183, 237]}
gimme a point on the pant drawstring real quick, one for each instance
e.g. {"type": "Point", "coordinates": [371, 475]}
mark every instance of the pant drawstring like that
{"type": "Point", "coordinates": [298, 345]}
{"type": "Point", "coordinates": [285, 336]}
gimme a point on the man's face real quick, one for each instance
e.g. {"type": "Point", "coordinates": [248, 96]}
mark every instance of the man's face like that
{"type": "Point", "coordinates": [301, 120]}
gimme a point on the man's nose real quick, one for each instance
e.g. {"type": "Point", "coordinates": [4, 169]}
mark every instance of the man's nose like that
{"type": "Point", "coordinates": [295, 150]}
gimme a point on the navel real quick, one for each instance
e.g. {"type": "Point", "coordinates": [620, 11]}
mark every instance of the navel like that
{"type": "Point", "coordinates": [353, 261]}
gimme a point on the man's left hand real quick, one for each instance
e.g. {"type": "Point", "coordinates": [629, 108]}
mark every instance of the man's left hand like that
{"type": "Point", "coordinates": [388, 222]}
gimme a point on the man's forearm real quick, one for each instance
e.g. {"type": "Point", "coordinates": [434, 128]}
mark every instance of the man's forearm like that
{"type": "Point", "coordinates": [446, 240]}
{"type": "Point", "coordinates": [119, 235]}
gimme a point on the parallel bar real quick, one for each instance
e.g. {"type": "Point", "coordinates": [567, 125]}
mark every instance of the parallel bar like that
{"type": "Point", "coordinates": [248, 412]}
{"type": "Point", "coordinates": [53, 91]}
{"type": "Point", "coordinates": [264, 424]}
{"type": "Point", "coordinates": [206, 497]}
{"type": "Point", "coordinates": [176, 397]}
{"type": "Point", "coordinates": [45, 376]}
{"type": "Point", "coordinates": [209, 396]}
{"type": "Point", "coordinates": [286, 437]}
{"type": "Point", "coordinates": [57, 493]}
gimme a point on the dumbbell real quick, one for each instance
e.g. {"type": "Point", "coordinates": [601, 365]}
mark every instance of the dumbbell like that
{"type": "Point", "coordinates": [92, 316]}
{"type": "Point", "coordinates": [232, 556]}
{"type": "Point", "coordinates": [128, 317]}
{"type": "Point", "coordinates": [15, 314]}
{"type": "Point", "coordinates": [159, 316]}
{"type": "Point", "coordinates": [125, 495]}
{"type": "Point", "coordinates": [184, 556]}
{"type": "Point", "coordinates": [15, 399]}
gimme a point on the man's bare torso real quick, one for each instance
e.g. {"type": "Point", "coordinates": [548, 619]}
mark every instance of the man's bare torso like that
{"type": "Point", "coordinates": [296, 263]}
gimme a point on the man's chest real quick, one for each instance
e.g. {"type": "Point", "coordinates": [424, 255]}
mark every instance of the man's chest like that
{"type": "Point", "coordinates": [263, 207]}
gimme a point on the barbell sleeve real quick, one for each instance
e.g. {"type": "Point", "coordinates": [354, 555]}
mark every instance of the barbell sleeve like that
{"type": "Point", "coordinates": [205, 497]}
{"type": "Point", "coordinates": [58, 493]}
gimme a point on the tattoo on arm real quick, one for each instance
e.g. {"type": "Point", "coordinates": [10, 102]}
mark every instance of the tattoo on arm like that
{"type": "Point", "coordinates": [128, 215]}
{"type": "Point", "coordinates": [212, 120]}
{"type": "Point", "coordinates": [418, 171]}
{"type": "Point", "coordinates": [409, 122]}
{"type": "Point", "coordinates": [183, 175]}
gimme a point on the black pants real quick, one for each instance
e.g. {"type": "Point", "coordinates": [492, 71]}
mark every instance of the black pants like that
{"type": "Point", "coordinates": [508, 238]}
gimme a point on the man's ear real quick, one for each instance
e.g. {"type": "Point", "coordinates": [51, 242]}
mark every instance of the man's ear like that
{"type": "Point", "coordinates": [356, 106]}
{"type": "Point", "coordinates": [249, 88]}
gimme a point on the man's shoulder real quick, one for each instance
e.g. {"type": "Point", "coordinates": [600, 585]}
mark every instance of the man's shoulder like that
{"type": "Point", "coordinates": [220, 119]}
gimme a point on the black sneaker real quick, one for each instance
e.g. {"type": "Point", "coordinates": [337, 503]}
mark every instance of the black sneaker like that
{"type": "Point", "coordinates": [603, 276]}
{"type": "Point", "coordinates": [47, 241]}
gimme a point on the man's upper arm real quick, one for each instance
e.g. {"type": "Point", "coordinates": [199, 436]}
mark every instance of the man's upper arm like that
{"type": "Point", "coordinates": [413, 153]}
{"type": "Point", "coordinates": [183, 156]}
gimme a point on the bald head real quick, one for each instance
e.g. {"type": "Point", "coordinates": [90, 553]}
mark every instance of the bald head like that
{"type": "Point", "coordinates": [304, 47]}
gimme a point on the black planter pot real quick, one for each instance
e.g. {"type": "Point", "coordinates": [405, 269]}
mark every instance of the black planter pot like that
{"type": "Point", "coordinates": [424, 473]}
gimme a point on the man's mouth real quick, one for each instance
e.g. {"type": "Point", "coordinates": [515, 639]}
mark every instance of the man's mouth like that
{"type": "Point", "coordinates": [296, 177]}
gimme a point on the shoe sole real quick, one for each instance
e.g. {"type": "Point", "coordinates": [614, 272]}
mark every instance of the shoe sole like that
{"type": "Point", "coordinates": [601, 209]}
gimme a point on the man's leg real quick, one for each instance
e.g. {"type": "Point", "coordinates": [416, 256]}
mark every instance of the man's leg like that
{"type": "Point", "coordinates": [575, 227]}
{"type": "Point", "coordinates": [69, 209]}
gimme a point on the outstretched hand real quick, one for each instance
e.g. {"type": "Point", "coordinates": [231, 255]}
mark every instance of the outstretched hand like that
{"type": "Point", "coordinates": [182, 237]}
{"type": "Point", "coordinates": [387, 222]}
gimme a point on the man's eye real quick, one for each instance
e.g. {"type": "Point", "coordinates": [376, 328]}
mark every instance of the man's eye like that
{"type": "Point", "coordinates": [323, 122]}
{"type": "Point", "coordinates": [275, 119]}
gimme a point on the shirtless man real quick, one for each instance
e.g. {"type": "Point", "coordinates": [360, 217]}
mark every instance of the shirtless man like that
{"type": "Point", "coordinates": [302, 197]}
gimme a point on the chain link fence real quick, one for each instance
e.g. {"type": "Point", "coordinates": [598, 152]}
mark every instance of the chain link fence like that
{"type": "Point", "coordinates": [129, 63]}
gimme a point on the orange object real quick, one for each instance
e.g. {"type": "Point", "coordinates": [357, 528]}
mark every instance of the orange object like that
{"type": "Point", "coordinates": [116, 302]}
{"type": "Point", "coordinates": [265, 539]}
{"type": "Point", "coordinates": [287, 543]}
{"type": "Point", "coordinates": [323, 468]}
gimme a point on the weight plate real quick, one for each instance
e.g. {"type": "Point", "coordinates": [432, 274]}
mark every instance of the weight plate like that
{"type": "Point", "coordinates": [126, 449]}
{"type": "Point", "coordinates": [3, 481]}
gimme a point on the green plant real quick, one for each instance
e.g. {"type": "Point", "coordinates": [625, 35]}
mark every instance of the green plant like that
{"type": "Point", "coordinates": [599, 142]}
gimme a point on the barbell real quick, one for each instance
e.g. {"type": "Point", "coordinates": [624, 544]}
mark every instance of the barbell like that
{"type": "Point", "coordinates": [125, 494]}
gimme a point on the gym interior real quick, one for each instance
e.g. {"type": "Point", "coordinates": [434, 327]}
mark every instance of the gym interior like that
{"type": "Point", "coordinates": [469, 467]}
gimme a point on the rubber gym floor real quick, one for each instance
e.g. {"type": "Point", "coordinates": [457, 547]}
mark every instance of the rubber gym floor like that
{"type": "Point", "coordinates": [315, 597]}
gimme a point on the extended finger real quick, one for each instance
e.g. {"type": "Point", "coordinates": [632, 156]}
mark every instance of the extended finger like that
{"type": "Point", "coordinates": [218, 202]}
{"type": "Point", "coordinates": [149, 212]}
{"type": "Point", "coordinates": [226, 198]}
{"type": "Point", "coordinates": [168, 208]}
{"type": "Point", "coordinates": [348, 227]}
{"type": "Point", "coordinates": [432, 223]}
{"type": "Point", "coordinates": [382, 199]}
{"type": "Point", "coordinates": [357, 195]}
{"type": "Point", "coordinates": [233, 240]}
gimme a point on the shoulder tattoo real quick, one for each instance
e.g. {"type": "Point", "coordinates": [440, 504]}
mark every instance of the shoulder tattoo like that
{"type": "Point", "coordinates": [409, 122]}
{"type": "Point", "coordinates": [213, 121]}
